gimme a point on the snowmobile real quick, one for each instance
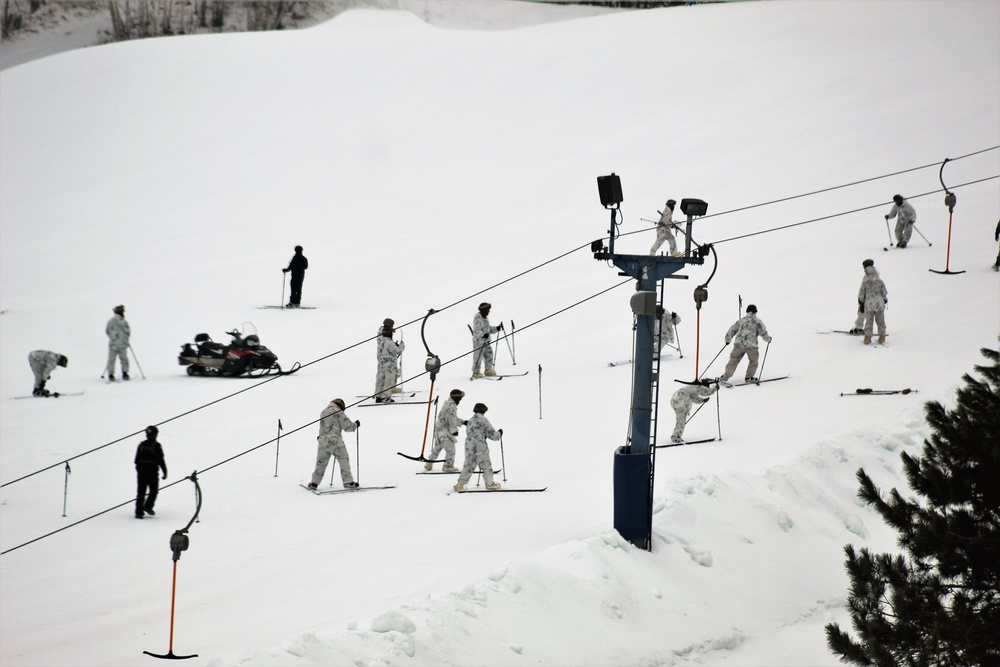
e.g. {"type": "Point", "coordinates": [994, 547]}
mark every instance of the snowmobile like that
{"type": "Point", "coordinates": [243, 356]}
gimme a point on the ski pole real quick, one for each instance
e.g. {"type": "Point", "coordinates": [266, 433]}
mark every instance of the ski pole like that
{"type": "Point", "coordinates": [399, 371]}
{"type": "Point", "coordinates": [718, 411]}
{"type": "Point", "coordinates": [677, 337]}
{"type": "Point", "coordinates": [510, 349]}
{"type": "Point", "coordinates": [762, 361]}
{"type": "Point", "coordinates": [503, 465]}
{"type": "Point", "coordinates": [277, 449]}
{"type": "Point", "coordinates": [66, 487]}
{"type": "Point", "coordinates": [713, 360]}
{"type": "Point", "coordinates": [137, 361]}
{"type": "Point", "coordinates": [357, 451]}
{"type": "Point", "coordinates": [284, 277]}
{"type": "Point", "coordinates": [889, 232]}
{"type": "Point", "coordinates": [513, 347]}
{"type": "Point", "coordinates": [921, 235]}
{"type": "Point", "coordinates": [333, 467]}
{"type": "Point", "coordinates": [539, 391]}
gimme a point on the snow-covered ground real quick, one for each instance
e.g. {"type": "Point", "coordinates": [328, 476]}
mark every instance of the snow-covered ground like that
{"type": "Point", "coordinates": [425, 168]}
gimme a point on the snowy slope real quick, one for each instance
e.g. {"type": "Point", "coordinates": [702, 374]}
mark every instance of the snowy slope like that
{"type": "Point", "coordinates": [422, 168]}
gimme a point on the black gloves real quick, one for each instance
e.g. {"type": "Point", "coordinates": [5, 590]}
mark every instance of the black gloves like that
{"type": "Point", "coordinates": [886, 217]}
{"type": "Point", "coordinates": [284, 270]}
{"type": "Point", "coordinates": [357, 424]}
{"type": "Point", "coordinates": [455, 434]}
{"type": "Point", "coordinates": [500, 327]}
{"type": "Point", "coordinates": [500, 431]}
{"type": "Point", "coordinates": [164, 474]}
{"type": "Point", "coordinates": [465, 423]}
{"type": "Point", "coordinates": [486, 336]}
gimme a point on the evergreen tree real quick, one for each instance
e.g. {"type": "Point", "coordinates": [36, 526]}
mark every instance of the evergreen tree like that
{"type": "Point", "coordinates": [938, 603]}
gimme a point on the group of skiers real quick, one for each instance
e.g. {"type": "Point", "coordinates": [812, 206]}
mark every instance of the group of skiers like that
{"type": "Point", "coordinates": [478, 431]}
{"type": "Point", "coordinates": [873, 297]}
{"type": "Point", "coordinates": [44, 362]}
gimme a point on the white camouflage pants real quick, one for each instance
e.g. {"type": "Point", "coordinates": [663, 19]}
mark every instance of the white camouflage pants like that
{"type": "Point", "coordinates": [337, 449]}
{"type": "Point", "coordinates": [484, 355]}
{"type": "Point", "coordinates": [477, 455]}
{"type": "Point", "coordinates": [753, 354]}
{"type": "Point", "coordinates": [114, 354]}
{"type": "Point", "coordinates": [386, 378]}
{"type": "Point", "coordinates": [443, 440]}
{"type": "Point", "coordinates": [664, 234]}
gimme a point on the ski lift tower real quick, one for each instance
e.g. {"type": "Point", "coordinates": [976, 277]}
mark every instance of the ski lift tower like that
{"type": "Point", "coordinates": [634, 462]}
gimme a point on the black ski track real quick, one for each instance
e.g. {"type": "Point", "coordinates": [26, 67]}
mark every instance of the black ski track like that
{"type": "Point", "coordinates": [686, 442]}
{"type": "Point", "coordinates": [503, 490]}
{"type": "Point", "coordinates": [322, 492]}
{"type": "Point", "coordinates": [54, 394]}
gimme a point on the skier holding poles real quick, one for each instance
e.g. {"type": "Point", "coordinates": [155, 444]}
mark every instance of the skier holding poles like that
{"type": "Point", "coordinates": [904, 222]}
{"type": "Point", "coordinates": [664, 331]}
{"type": "Point", "coordinates": [297, 267]}
{"type": "Point", "coordinates": [683, 399]}
{"type": "Point", "coordinates": [332, 422]}
{"type": "Point", "coordinates": [743, 334]}
{"type": "Point", "coordinates": [482, 349]}
{"type": "Point", "coordinates": [477, 449]}
{"type": "Point", "coordinates": [665, 230]}
{"type": "Point", "coordinates": [118, 332]}
{"type": "Point", "coordinates": [387, 375]}
{"type": "Point", "coordinates": [446, 432]}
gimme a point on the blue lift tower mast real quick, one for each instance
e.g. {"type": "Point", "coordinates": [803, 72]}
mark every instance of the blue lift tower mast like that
{"type": "Point", "coordinates": [634, 462]}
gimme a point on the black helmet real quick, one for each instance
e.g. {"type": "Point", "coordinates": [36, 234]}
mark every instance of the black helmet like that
{"type": "Point", "coordinates": [298, 248]}
{"type": "Point", "coordinates": [457, 395]}
{"type": "Point", "coordinates": [485, 307]}
{"type": "Point", "coordinates": [480, 408]}
{"type": "Point", "coordinates": [868, 262]}
{"type": "Point", "coordinates": [751, 308]}
{"type": "Point", "coordinates": [152, 432]}
{"type": "Point", "coordinates": [898, 199]}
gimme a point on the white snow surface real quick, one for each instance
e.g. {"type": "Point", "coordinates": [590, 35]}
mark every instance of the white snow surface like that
{"type": "Point", "coordinates": [422, 168]}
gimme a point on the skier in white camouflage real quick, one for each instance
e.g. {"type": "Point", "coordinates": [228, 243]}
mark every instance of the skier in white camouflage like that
{"type": "Point", "coordinates": [477, 449]}
{"type": "Point", "coordinates": [663, 334]}
{"type": "Point", "coordinates": [873, 298]}
{"type": "Point", "coordinates": [332, 422]}
{"type": "Point", "coordinates": [665, 230]}
{"type": "Point", "coordinates": [42, 364]}
{"type": "Point", "coordinates": [905, 217]}
{"type": "Point", "coordinates": [743, 334]}
{"type": "Point", "coordinates": [118, 332]}
{"type": "Point", "coordinates": [387, 375]}
{"type": "Point", "coordinates": [683, 399]}
{"type": "Point", "coordinates": [482, 349]}
{"type": "Point", "coordinates": [446, 432]}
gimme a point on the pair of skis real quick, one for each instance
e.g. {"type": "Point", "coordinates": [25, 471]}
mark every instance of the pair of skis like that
{"type": "Point", "coordinates": [500, 377]}
{"type": "Point", "coordinates": [686, 442]}
{"type": "Point", "coordinates": [54, 394]}
{"type": "Point", "coordinates": [334, 491]}
{"type": "Point", "coordinates": [880, 392]}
